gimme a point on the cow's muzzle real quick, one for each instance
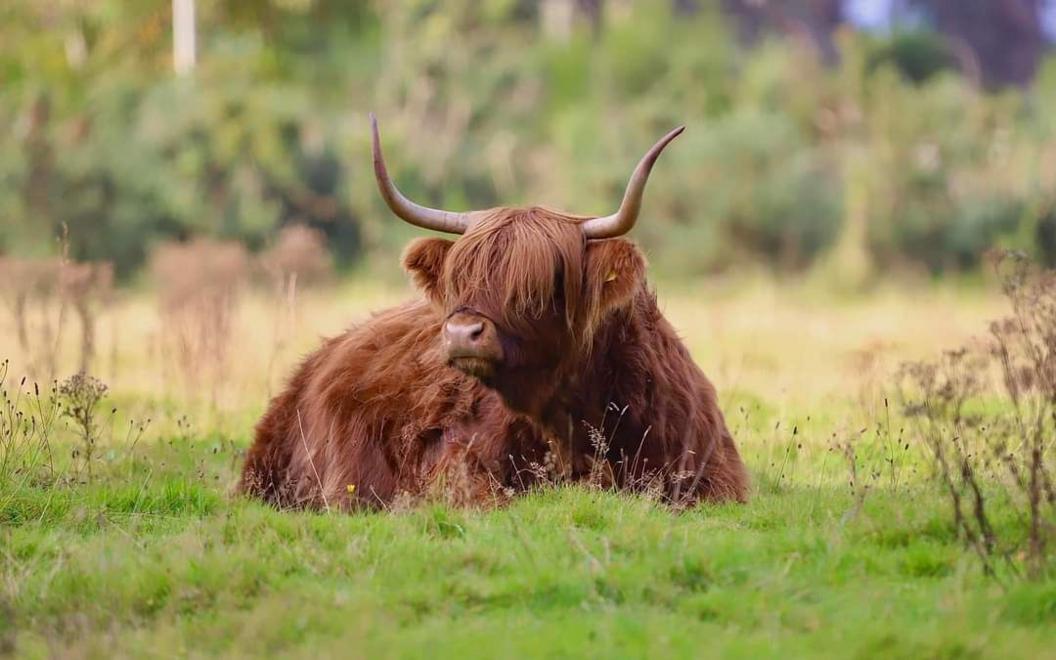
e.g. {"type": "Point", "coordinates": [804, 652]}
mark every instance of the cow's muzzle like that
{"type": "Point", "coordinates": [472, 344]}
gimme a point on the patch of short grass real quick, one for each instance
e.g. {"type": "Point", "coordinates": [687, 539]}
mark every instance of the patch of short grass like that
{"type": "Point", "coordinates": [146, 557]}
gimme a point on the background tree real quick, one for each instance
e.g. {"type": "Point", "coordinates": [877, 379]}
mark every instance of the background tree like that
{"type": "Point", "coordinates": [1002, 39]}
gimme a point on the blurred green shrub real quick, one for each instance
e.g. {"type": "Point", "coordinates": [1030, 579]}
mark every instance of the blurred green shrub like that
{"type": "Point", "coordinates": [917, 55]}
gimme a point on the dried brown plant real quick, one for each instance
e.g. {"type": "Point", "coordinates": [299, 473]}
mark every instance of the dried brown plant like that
{"type": "Point", "coordinates": [37, 293]}
{"type": "Point", "coordinates": [299, 255]}
{"type": "Point", "coordinates": [79, 397]}
{"type": "Point", "coordinates": [987, 412]}
{"type": "Point", "coordinates": [298, 259]}
{"type": "Point", "coordinates": [29, 288]}
{"type": "Point", "coordinates": [199, 284]}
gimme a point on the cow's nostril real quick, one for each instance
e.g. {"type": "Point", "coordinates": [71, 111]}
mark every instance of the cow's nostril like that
{"type": "Point", "coordinates": [472, 340]}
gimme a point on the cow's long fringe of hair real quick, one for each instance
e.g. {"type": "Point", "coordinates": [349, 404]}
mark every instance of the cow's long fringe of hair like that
{"type": "Point", "coordinates": [513, 262]}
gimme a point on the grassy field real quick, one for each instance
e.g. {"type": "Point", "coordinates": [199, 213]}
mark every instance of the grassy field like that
{"type": "Point", "coordinates": [847, 547]}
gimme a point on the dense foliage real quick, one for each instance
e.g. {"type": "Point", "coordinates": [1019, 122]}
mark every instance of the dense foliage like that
{"type": "Point", "coordinates": [887, 158]}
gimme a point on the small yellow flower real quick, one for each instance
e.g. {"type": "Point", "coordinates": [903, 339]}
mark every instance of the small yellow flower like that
{"type": "Point", "coordinates": [351, 488]}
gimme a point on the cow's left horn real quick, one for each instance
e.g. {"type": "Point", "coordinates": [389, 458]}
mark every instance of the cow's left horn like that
{"type": "Point", "coordinates": [621, 222]}
{"type": "Point", "coordinates": [416, 214]}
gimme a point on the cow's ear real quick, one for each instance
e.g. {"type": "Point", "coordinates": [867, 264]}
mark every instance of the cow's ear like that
{"type": "Point", "coordinates": [615, 273]}
{"type": "Point", "coordinates": [424, 260]}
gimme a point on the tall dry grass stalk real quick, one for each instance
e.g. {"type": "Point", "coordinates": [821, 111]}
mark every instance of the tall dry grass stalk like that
{"type": "Point", "coordinates": [88, 288]}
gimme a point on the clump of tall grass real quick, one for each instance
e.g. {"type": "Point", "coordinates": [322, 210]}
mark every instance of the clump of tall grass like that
{"type": "Point", "coordinates": [27, 421]}
{"type": "Point", "coordinates": [987, 412]}
{"type": "Point", "coordinates": [51, 437]}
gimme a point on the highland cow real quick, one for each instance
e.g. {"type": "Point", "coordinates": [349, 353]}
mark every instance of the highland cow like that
{"type": "Point", "coordinates": [537, 347]}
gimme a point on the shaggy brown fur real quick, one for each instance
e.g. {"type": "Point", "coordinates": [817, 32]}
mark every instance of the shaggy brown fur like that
{"type": "Point", "coordinates": [592, 373]}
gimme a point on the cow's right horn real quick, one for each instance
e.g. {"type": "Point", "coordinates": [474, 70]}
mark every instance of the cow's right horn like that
{"type": "Point", "coordinates": [416, 214]}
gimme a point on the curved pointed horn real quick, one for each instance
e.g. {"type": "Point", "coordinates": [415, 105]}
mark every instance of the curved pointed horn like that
{"type": "Point", "coordinates": [417, 215]}
{"type": "Point", "coordinates": [621, 222]}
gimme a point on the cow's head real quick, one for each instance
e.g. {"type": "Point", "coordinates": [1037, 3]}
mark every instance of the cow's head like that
{"type": "Point", "coordinates": [523, 292]}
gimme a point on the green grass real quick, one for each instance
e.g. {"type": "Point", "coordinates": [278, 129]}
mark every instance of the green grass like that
{"type": "Point", "coordinates": [154, 557]}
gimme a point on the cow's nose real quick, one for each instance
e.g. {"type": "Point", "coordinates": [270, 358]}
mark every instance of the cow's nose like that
{"type": "Point", "coordinates": [471, 336]}
{"type": "Point", "coordinates": [464, 333]}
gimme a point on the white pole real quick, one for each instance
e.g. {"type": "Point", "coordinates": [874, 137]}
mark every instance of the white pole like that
{"type": "Point", "coordinates": [183, 36]}
{"type": "Point", "coordinates": [556, 17]}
